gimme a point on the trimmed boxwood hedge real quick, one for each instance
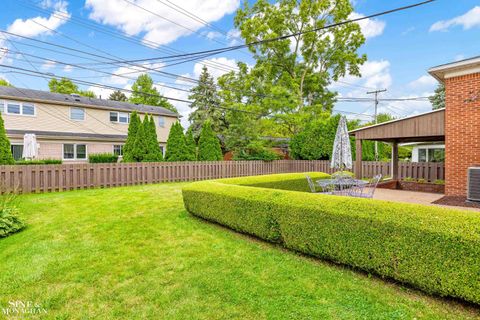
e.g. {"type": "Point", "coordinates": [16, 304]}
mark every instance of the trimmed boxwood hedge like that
{"type": "Point", "coordinates": [432, 248]}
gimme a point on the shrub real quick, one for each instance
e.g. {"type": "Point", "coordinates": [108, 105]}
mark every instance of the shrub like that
{"type": "Point", "coordinates": [176, 144]}
{"type": "Point", "coordinates": [434, 249]}
{"type": "Point", "coordinates": [6, 156]}
{"type": "Point", "coordinates": [421, 181]}
{"type": "Point", "coordinates": [439, 181]}
{"type": "Point", "coordinates": [103, 158]}
{"type": "Point", "coordinates": [263, 154]}
{"type": "Point", "coordinates": [409, 179]}
{"type": "Point", "coordinates": [9, 220]}
{"type": "Point", "coordinates": [38, 162]}
{"type": "Point", "coordinates": [209, 148]}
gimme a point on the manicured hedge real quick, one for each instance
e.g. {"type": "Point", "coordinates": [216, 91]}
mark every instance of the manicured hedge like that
{"type": "Point", "coordinates": [38, 162]}
{"type": "Point", "coordinates": [431, 248]}
{"type": "Point", "coordinates": [103, 158]}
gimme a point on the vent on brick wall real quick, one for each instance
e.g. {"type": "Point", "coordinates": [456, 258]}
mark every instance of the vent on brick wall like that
{"type": "Point", "coordinates": [473, 184]}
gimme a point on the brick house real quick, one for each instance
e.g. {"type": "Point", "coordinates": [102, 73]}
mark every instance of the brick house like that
{"type": "Point", "coordinates": [70, 127]}
{"type": "Point", "coordinates": [462, 121]}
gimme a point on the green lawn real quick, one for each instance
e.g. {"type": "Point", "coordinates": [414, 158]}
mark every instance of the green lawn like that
{"type": "Point", "coordinates": [135, 253]}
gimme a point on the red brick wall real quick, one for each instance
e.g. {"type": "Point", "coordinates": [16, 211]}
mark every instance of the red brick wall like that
{"type": "Point", "coordinates": [462, 131]}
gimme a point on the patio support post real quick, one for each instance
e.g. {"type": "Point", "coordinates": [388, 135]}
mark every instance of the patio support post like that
{"type": "Point", "coordinates": [394, 165]}
{"type": "Point", "coordinates": [358, 159]}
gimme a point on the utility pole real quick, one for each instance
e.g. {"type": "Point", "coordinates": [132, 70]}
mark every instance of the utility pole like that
{"type": "Point", "coordinates": [376, 92]}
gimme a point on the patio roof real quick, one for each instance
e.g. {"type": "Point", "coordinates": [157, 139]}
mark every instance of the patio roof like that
{"type": "Point", "coordinates": [429, 126]}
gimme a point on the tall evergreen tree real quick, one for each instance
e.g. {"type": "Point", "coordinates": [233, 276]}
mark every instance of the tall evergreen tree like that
{"type": "Point", "coordinates": [176, 146]}
{"type": "Point", "coordinates": [144, 92]}
{"type": "Point", "coordinates": [140, 146]}
{"type": "Point", "coordinates": [208, 145]}
{"type": "Point", "coordinates": [438, 98]}
{"type": "Point", "coordinates": [117, 96]}
{"type": "Point", "coordinates": [153, 148]}
{"type": "Point", "coordinates": [132, 134]}
{"type": "Point", "coordinates": [205, 102]}
{"type": "Point", "coordinates": [6, 156]}
{"type": "Point", "coordinates": [191, 145]}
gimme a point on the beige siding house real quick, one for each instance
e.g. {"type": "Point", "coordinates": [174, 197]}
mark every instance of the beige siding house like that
{"type": "Point", "coordinates": [70, 127]}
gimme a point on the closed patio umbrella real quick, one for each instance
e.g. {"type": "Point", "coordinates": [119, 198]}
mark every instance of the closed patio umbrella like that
{"type": "Point", "coordinates": [30, 146]}
{"type": "Point", "coordinates": [342, 152]}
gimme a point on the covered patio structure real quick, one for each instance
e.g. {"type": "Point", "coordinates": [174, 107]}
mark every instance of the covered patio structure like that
{"type": "Point", "coordinates": [426, 127]}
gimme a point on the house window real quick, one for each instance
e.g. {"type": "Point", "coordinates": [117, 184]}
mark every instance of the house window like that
{"type": "Point", "coordinates": [13, 108]}
{"type": "Point", "coordinates": [77, 113]}
{"type": "Point", "coordinates": [162, 149]}
{"type": "Point", "coordinates": [123, 117]}
{"type": "Point", "coordinates": [17, 108]}
{"type": "Point", "coordinates": [17, 151]}
{"type": "Point", "coordinates": [422, 155]}
{"type": "Point", "coordinates": [436, 155]}
{"type": "Point", "coordinates": [161, 122]}
{"type": "Point", "coordinates": [114, 116]}
{"type": "Point", "coordinates": [120, 117]}
{"type": "Point", "coordinates": [118, 149]}
{"type": "Point", "coordinates": [28, 109]}
{"type": "Point", "coordinates": [73, 151]}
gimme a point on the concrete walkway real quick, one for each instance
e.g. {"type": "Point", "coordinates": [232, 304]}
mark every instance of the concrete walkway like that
{"type": "Point", "coordinates": [413, 197]}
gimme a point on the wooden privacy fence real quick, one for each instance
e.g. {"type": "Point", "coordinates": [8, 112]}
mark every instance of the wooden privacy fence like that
{"type": "Point", "coordinates": [50, 178]}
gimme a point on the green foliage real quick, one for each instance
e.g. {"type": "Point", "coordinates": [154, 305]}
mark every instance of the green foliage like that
{"type": "Point", "coordinates": [438, 98]}
{"type": "Point", "coordinates": [145, 93]}
{"type": "Point", "coordinates": [5, 83]}
{"type": "Point", "coordinates": [407, 242]}
{"type": "Point", "coordinates": [421, 180]}
{"type": "Point", "coordinates": [176, 145]}
{"type": "Point", "coordinates": [141, 143]}
{"type": "Point", "coordinates": [128, 148]}
{"type": "Point", "coordinates": [10, 222]}
{"type": "Point", "coordinates": [261, 154]}
{"type": "Point", "coordinates": [153, 152]}
{"type": "Point", "coordinates": [103, 158]}
{"type": "Point", "coordinates": [289, 82]}
{"type": "Point", "coordinates": [316, 141]}
{"type": "Point", "coordinates": [66, 86]}
{"type": "Point", "coordinates": [209, 148]}
{"type": "Point", "coordinates": [343, 173]}
{"type": "Point", "coordinates": [439, 181]}
{"type": "Point", "coordinates": [118, 96]}
{"type": "Point", "coordinates": [6, 156]}
{"type": "Point", "coordinates": [409, 179]}
{"type": "Point", "coordinates": [38, 162]}
{"type": "Point", "coordinates": [191, 145]}
{"type": "Point", "coordinates": [205, 103]}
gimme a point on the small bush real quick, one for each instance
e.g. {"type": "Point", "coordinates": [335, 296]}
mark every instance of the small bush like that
{"type": "Point", "coordinates": [421, 181]}
{"type": "Point", "coordinates": [434, 249]}
{"type": "Point", "coordinates": [264, 154]}
{"type": "Point", "coordinates": [103, 158]}
{"type": "Point", "coordinates": [38, 162]}
{"type": "Point", "coordinates": [439, 181]}
{"type": "Point", "coordinates": [409, 179]}
{"type": "Point", "coordinates": [9, 220]}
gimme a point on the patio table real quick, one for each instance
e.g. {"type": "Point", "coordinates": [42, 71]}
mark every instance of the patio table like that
{"type": "Point", "coordinates": [341, 184]}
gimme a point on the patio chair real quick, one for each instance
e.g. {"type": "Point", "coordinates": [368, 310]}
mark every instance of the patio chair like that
{"type": "Point", "coordinates": [365, 191]}
{"type": "Point", "coordinates": [313, 188]}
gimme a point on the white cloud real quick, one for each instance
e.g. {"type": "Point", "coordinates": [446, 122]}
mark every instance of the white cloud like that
{"type": "Point", "coordinates": [135, 21]}
{"type": "Point", "coordinates": [370, 27]}
{"type": "Point", "coordinates": [467, 21]}
{"type": "Point", "coordinates": [227, 65]}
{"type": "Point", "coordinates": [234, 37]}
{"type": "Point", "coordinates": [212, 35]}
{"type": "Point", "coordinates": [68, 68]}
{"type": "Point", "coordinates": [459, 57]}
{"type": "Point", "coordinates": [131, 72]}
{"type": "Point", "coordinates": [102, 93]}
{"type": "Point", "coordinates": [48, 65]}
{"type": "Point", "coordinates": [423, 82]}
{"type": "Point", "coordinates": [35, 26]}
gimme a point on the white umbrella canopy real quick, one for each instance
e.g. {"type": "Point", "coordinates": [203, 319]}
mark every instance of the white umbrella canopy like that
{"type": "Point", "coordinates": [30, 146]}
{"type": "Point", "coordinates": [342, 151]}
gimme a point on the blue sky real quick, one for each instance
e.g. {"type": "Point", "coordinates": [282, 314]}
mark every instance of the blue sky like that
{"type": "Point", "coordinates": [400, 47]}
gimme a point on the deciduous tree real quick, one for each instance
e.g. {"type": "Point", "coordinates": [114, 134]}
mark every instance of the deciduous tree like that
{"type": "Point", "coordinates": [144, 92]}
{"type": "Point", "coordinates": [66, 86]}
{"type": "Point", "coordinates": [118, 96]}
